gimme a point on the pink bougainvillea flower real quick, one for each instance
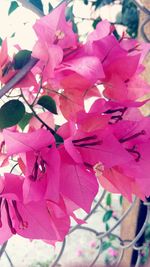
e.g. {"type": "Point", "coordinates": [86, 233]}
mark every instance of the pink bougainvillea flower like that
{"type": "Point", "coordinates": [36, 220]}
{"type": "Point", "coordinates": [114, 179]}
{"type": "Point", "coordinates": [58, 49]}
{"type": "Point", "coordinates": [121, 83]}
{"type": "Point", "coordinates": [7, 70]}
{"type": "Point", "coordinates": [123, 91]}
{"type": "Point", "coordinates": [133, 46]}
{"type": "Point", "coordinates": [3, 155]}
{"type": "Point", "coordinates": [103, 29]}
{"type": "Point", "coordinates": [41, 158]}
{"type": "Point", "coordinates": [133, 132]}
{"type": "Point", "coordinates": [50, 56]}
{"type": "Point", "coordinates": [60, 54]}
{"type": "Point", "coordinates": [87, 66]}
{"type": "Point", "coordinates": [46, 117]}
{"type": "Point", "coordinates": [77, 183]}
{"type": "Point", "coordinates": [87, 59]}
{"type": "Point", "coordinates": [4, 57]}
{"type": "Point", "coordinates": [70, 94]}
{"type": "Point", "coordinates": [86, 150]}
{"type": "Point", "coordinates": [75, 90]}
{"type": "Point", "coordinates": [54, 28]}
{"type": "Point", "coordinates": [126, 132]}
{"type": "Point", "coordinates": [23, 142]}
{"type": "Point", "coordinates": [94, 145]}
{"type": "Point", "coordinates": [55, 35]}
{"type": "Point", "coordinates": [134, 136]}
{"type": "Point", "coordinates": [101, 41]}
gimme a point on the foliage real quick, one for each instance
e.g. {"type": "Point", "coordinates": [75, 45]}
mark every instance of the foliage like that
{"type": "Point", "coordinates": [129, 17]}
{"type": "Point", "coordinates": [38, 4]}
{"type": "Point", "coordinates": [11, 113]}
{"type": "Point", "coordinates": [13, 6]}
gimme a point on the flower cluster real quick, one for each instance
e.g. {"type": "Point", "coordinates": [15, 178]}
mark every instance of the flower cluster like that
{"type": "Point", "coordinates": [56, 169]}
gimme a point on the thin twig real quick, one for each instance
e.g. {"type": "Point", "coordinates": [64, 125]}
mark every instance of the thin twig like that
{"type": "Point", "coordinates": [9, 259]}
{"type": "Point", "coordinates": [2, 249]}
{"type": "Point", "coordinates": [35, 114]}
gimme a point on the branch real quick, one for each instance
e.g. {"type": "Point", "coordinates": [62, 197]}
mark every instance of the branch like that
{"type": "Point", "coordinates": [31, 7]}
{"type": "Point", "coordinates": [18, 77]}
{"type": "Point", "coordinates": [2, 249]}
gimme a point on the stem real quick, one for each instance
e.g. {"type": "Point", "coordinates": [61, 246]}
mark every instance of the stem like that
{"type": "Point", "coordinates": [40, 87]}
{"type": "Point", "coordinates": [13, 167]}
{"type": "Point", "coordinates": [114, 217]}
{"type": "Point", "coordinates": [2, 249]}
{"type": "Point", "coordinates": [35, 114]}
{"type": "Point", "coordinates": [18, 77]}
{"type": "Point", "coordinates": [9, 259]}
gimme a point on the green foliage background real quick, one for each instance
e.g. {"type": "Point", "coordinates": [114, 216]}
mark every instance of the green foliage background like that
{"type": "Point", "coordinates": [129, 15]}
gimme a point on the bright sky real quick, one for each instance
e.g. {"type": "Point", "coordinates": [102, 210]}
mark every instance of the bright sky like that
{"type": "Point", "coordinates": [21, 21]}
{"type": "Point", "coordinates": [15, 23]}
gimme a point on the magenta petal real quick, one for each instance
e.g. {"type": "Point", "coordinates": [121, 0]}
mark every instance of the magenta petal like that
{"type": "Point", "coordinates": [44, 221]}
{"type": "Point", "coordinates": [89, 67]}
{"type": "Point", "coordinates": [12, 186]}
{"type": "Point", "coordinates": [48, 26]}
{"type": "Point", "coordinates": [23, 142]}
{"type": "Point", "coordinates": [34, 191]}
{"type": "Point", "coordinates": [77, 184]}
{"type": "Point", "coordinates": [5, 232]}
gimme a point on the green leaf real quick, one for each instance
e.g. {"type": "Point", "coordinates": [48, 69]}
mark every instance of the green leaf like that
{"type": "Point", "coordinates": [59, 140]}
{"type": "Point", "coordinates": [121, 200]}
{"type": "Point", "coordinates": [70, 17]}
{"type": "Point", "coordinates": [1, 40]}
{"type": "Point", "coordinates": [38, 4]}
{"type": "Point", "coordinates": [86, 2]}
{"type": "Point", "coordinates": [105, 245]}
{"type": "Point", "coordinates": [95, 22]}
{"type": "Point", "coordinates": [13, 35]}
{"type": "Point", "coordinates": [112, 237]}
{"type": "Point", "coordinates": [48, 103]}
{"type": "Point", "coordinates": [108, 199]}
{"type": "Point", "coordinates": [147, 232]}
{"type": "Point", "coordinates": [25, 120]}
{"type": "Point", "coordinates": [116, 34]}
{"type": "Point", "coordinates": [11, 113]}
{"type": "Point", "coordinates": [12, 7]}
{"type": "Point", "coordinates": [50, 7]}
{"type": "Point", "coordinates": [107, 227]}
{"type": "Point", "coordinates": [21, 59]}
{"type": "Point", "coordinates": [107, 216]}
{"type": "Point", "coordinates": [69, 13]}
{"type": "Point", "coordinates": [74, 27]}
